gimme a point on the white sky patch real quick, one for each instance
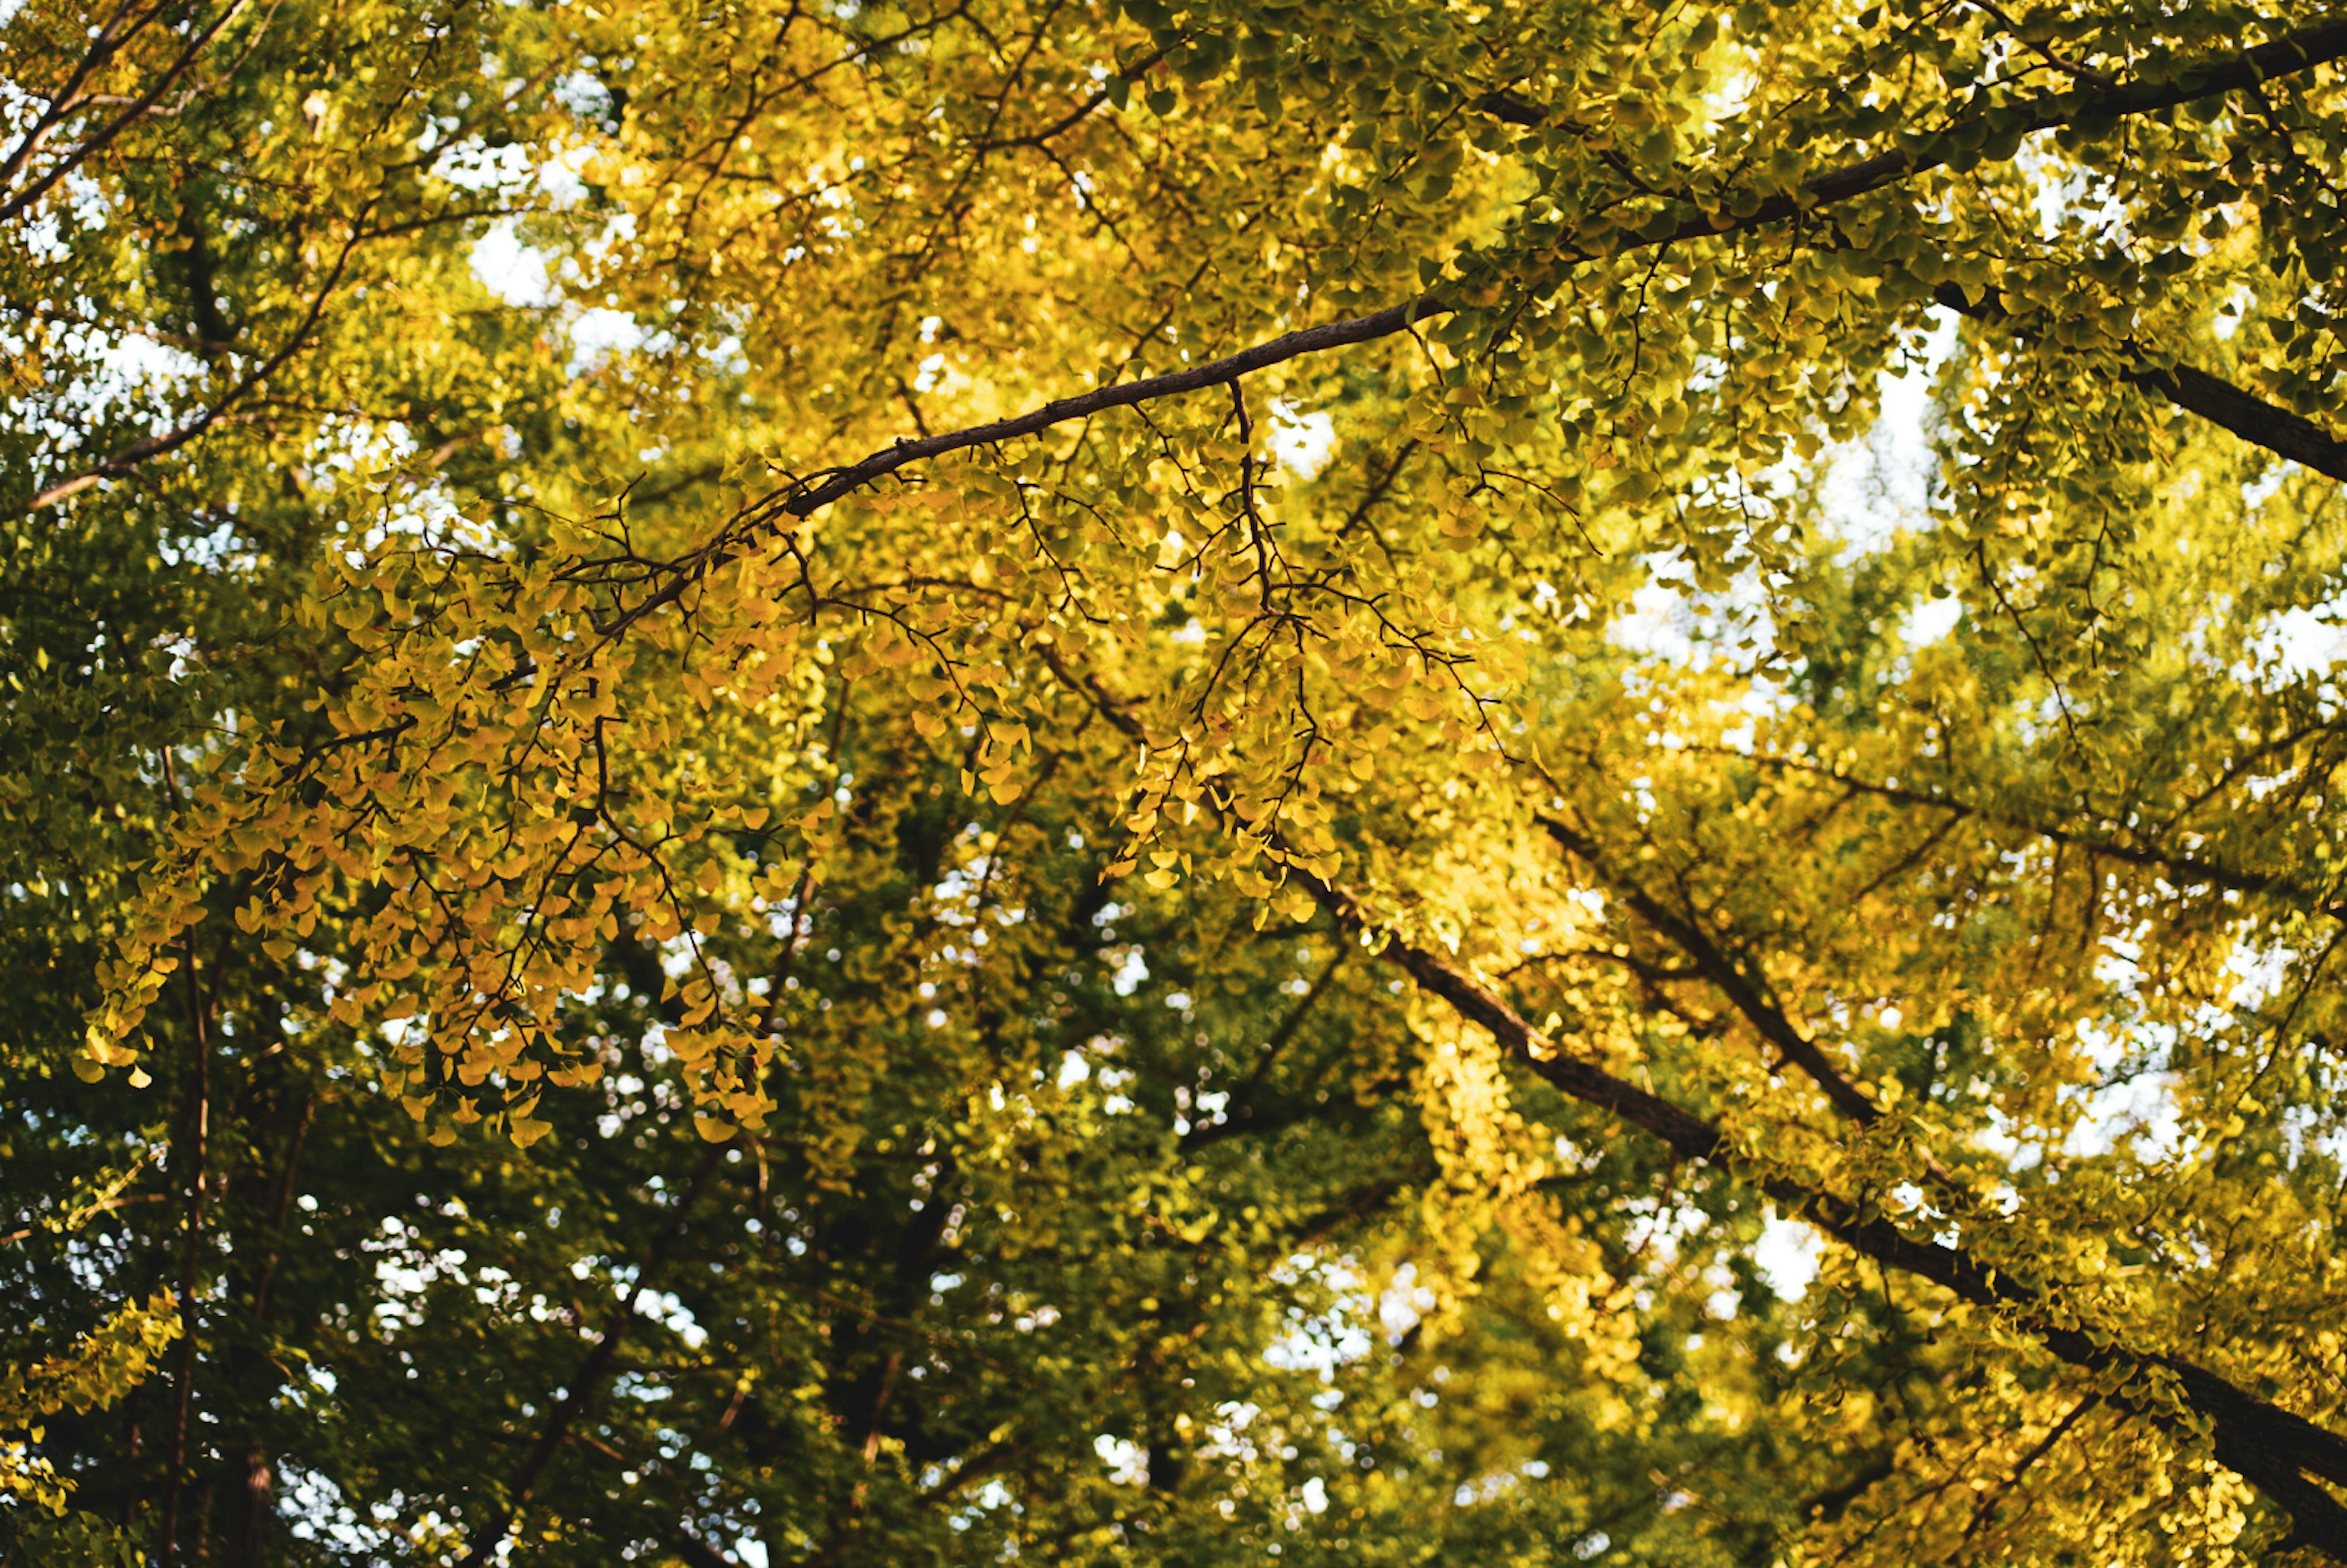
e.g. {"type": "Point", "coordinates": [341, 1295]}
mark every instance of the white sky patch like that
{"type": "Point", "coordinates": [1660, 624]}
{"type": "Point", "coordinates": [2299, 642]}
{"type": "Point", "coordinates": [600, 335]}
{"type": "Point", "coordinates": [2257, 975]}
{"type": "Point", "coordinates": [583, 94]}
{"type": "Point", "coordinates": [2229, 314]}
{"type": "Point", "coordinates": [1302, 442]}
{"type": "Point", "coordinates": [1226, 1436]}
{"type": "Point", "coordinates": [2132, 1108]}
{"type": "Point", "coordinates": [1787, 1256]}
{"type": "Point", "coordinates": [1762, 697]}
{"type": "Point", "coordinates": [1667, 1227]}
{"type": "Point", "coordinates": [474, 165]}
{"type": "Point", "coordinates": [519, 274]}
{"type": "Point", "coordinates": [664, 1307]}
{"type": "Point", "coordinates": [136, 362]}
{"type": "Point", "coordinates": [1731, 98]}
{"type": "Point", "coordinates": [1670, 621]}
{"type": "Point", "coordinates": [1127, 1461]}
{"type": "Point", "coordinates": [1880, 486]}
{"type": "Point", "coordinates": [1931, 619]}
{"type": "Point", "coordinates": [1404, 1303]}
{"type": "Point", "coordinates": [132, 377]}
{"type": "Point", "coordinates": [1997, 1137]}
{"type": "Point", "coordinates": [2060, 189]}
{"type": "Point", "coordinates": [1332, 1338]}
{"type": "Point", "coordinates": [2139, 1110]}
{"type": "Point", "coordinates": [317, 1511]}
{"type": "Point", "coordinates": [726, 355]}
{"type": "Point", "coordinates": [563, 177]}
{"type": "Point", "coordinates": [2307, 1131]}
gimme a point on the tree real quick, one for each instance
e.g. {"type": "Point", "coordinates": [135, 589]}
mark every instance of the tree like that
{"type": "Point", "coordinates": [875, 784]}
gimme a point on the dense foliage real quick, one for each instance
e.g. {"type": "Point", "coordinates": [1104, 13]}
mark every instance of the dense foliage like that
{"type": "Point", "coordinates": [1163, 782]}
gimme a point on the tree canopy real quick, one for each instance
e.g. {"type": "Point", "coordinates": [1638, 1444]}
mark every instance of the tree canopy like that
{"type": "Point", "coordinates": [1168, 782]}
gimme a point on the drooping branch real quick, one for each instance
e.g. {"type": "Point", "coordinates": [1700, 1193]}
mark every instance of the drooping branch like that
{"type": "Point", "coordinates": [2276, 1449]}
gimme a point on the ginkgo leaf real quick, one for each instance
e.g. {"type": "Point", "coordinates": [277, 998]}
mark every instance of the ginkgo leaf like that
{"type": "Point", "coordinates": [1796, 545]}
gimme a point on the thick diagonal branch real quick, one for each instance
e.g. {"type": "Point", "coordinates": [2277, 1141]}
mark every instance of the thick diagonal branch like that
{"type": "Point", "coordinates": [2300, 51]}
{"type": "Point", "coordinates": [2275, 1450]}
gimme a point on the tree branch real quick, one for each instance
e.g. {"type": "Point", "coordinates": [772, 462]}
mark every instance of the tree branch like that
{"type": "Point", "coordinates": [16, 204]}
{"type": "Point", "coordinates": [2219, 401]}
{"type": "Point", "coordinates": [2299, 51]}
{"type": "Point", "coordinates": [2148, 94]}
{"type": "Point", "coordinates": [2184, 868]}
{"type": "Point", "coordinates": [107, 42]}
{"type": "Point", "coordinates": [2271, 1447]}
{"type": "Point", "coordinates": [1717, 966]}
{"type": "Point", "coordinates": [139, 451]}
